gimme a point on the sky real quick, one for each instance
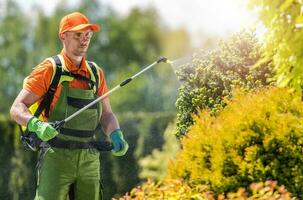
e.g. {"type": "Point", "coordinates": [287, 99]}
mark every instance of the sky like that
{"type": "Point", "coordinates": [199, 17]}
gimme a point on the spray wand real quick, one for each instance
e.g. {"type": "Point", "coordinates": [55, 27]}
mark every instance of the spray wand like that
{"type": "Point", "coordinates": [57, 125]}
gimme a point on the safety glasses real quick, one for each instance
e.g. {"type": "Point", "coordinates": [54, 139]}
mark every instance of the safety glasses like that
{"type": "Point", "coordinates": [82, 35]}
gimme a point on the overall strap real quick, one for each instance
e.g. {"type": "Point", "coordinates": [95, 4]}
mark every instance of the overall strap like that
{"type": "Point", "coordinates": [95, 73]}
{"type": "Point", "coordinates": [29, 140]}
{"type": "Point", "coordinates": [49, 95]}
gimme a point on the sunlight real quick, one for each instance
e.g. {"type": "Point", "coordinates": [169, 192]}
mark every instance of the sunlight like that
{"type": "Point", "coordinates": [221, 16]}
{"type": "Point", "coordinates": [208, 16]}
{"type": "Point", "coordinates": [216, 16]}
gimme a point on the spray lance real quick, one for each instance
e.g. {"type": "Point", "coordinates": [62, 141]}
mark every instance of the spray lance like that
{"type": "Point", "coordinates": [57, 125]}
{"type": "Point", "coordinates": [102, 146]}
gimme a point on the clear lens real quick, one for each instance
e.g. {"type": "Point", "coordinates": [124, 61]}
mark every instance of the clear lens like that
{"type": "Point", "coordinates": [83, 35]}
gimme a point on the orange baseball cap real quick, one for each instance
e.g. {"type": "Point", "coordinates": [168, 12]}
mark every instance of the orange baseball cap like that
{"type": "Point", "coordinates": [76, 22]}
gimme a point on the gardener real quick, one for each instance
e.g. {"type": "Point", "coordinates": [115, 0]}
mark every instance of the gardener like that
{"type": "Point", "coordinates": [80, 84]}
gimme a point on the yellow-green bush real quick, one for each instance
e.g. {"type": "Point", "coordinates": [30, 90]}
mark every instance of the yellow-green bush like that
{"type": "Point", "coordinates": [256, 137]}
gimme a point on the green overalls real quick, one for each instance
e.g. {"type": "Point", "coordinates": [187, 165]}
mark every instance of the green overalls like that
{"type": "Point", "coordinates": [64, 167]}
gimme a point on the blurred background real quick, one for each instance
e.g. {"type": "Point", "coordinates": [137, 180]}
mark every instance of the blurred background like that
{"type": "Point", "coordinates": [133, 34]}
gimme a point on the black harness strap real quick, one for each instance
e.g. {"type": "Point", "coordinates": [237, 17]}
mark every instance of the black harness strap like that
{"type": "Point", "coordinates": [49, 95]}
{"type": "Point", "coordinates": [80, 103]}
{"type": "Point", "coordinates": [77, 133]}
{"type": "Point", "coordinates": [80, 77]}
{"type": "Point", "coordinates": [101, 145]}
{"type": "Point", "coordinates": [30, 140]}
{"type": "Point", "coordinates": [95, 72]}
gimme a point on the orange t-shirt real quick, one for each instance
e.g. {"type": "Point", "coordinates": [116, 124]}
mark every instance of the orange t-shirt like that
{"type": "Point", "coordinates": [40, 78]}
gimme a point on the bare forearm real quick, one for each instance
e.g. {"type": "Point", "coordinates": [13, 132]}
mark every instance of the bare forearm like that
{"type": "Point", "coordinates": [109, 123]}
{"type": "Point", "coordinates": [19, 110]}
{"type": "Point", "coordinates": [20, 113]}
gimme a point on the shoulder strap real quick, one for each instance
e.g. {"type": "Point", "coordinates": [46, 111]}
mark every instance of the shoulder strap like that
{"type": "Point", "coordinates": [95, 73]}
{"type": "Point", "coordinates": [49, 95]}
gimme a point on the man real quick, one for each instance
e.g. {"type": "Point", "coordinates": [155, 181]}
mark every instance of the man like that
{"type": "Point", "coordinates": [64, 167]}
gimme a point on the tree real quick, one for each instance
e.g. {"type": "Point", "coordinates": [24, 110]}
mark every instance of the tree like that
{"type": "Point", "coordinates": [13, 52]}
{"type": "Point", "coordinates": [283, 41]}
{"type": "Point", "coordinates": [211, 76]}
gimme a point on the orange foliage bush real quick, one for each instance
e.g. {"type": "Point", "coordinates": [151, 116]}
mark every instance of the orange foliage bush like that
{"type": "Point", "coordinates": [171, 189]}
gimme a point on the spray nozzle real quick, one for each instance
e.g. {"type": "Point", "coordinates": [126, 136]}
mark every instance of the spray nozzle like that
{"type": "Point", "coordinates": [162, 59]}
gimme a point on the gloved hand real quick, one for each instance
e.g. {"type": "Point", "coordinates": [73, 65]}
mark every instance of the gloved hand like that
{"type": "Point", "coordinates": [43, 129]}
{"type": "Point", "coordinates": [119, 144]}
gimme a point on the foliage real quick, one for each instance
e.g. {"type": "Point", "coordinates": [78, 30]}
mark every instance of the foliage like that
{"type": "Point", "coordinates": [154, 166]}
{"type": "Point", "coordinates": [168, 189]}
{"type": "Point", "coordinates": [212, 75]}
{"type": "Point", "coordinates": [13, 51]}
{"type": "Point", "coordinates": [17, 175]}
{"type": "Point", "coordinates": [283, 42]}
{"type": "Point", "coordinates": [177, 189]}
{"type": "Point", "coordinates": [124, 39]}
{"type": "Point", "coordinates": [257, 137]}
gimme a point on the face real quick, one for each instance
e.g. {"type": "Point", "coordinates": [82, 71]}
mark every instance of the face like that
{"type": "Point", "coordinates": [76, 43]}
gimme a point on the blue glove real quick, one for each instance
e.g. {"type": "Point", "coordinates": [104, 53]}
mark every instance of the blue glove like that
{"type": "Point", "coordinates": [120, 146]}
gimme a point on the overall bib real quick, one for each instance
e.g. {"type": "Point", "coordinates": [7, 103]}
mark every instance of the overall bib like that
{"type": "Point", "coordinates": [64, 167]}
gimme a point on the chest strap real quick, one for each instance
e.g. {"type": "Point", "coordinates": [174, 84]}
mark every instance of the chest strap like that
{"type": "Point", "coordinates": [80, 103]}
{"type": "Point", "coordinates": [80, 77]}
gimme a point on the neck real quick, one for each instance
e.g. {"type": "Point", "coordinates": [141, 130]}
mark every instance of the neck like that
{"type": "Point", "coordinates": [76, 60]}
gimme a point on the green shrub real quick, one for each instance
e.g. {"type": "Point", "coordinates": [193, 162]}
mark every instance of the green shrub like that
{"type": "Point", "coordinates": [257, 137]}
{"type": "Point", "coordinates": [210, 77]}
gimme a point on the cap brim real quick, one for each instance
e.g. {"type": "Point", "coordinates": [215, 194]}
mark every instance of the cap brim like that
{"type": "Point", "coordinates": [83, 27]}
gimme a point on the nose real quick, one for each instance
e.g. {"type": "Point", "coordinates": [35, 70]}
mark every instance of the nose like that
{"type": "Point", "coordinates": [84, 39]}
{"type": "Point", "coordinates": [86, 36]}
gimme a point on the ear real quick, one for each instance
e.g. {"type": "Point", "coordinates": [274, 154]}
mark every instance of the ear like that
{"type": "Point", "coordinates": [62, 36]}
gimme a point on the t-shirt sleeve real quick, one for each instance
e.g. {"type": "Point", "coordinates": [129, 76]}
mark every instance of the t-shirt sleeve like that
{"type": "Point", "coordinates": [39, 79]}
{"type": "Point", "coordinates": [102, 83]}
